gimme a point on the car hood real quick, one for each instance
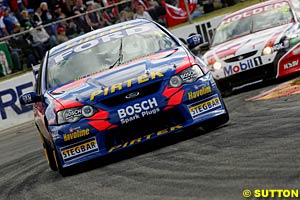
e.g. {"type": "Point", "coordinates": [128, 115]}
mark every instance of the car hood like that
{"type": "Point", "coordinates": [121, 79]}
{"type": "Point", "coordinates": [254, 43]}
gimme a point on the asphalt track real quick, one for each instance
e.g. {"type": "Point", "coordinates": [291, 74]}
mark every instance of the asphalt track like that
{"type": "Point", "coordinates": [258, 149]}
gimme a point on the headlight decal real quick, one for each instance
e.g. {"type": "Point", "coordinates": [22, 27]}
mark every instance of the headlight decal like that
{"type": "Point", "coordinates": [188, 75]}
{"type": "Point", "coordinates": [72, 115]}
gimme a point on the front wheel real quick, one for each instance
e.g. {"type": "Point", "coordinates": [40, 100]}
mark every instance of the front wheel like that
{"type": "Point", "coordinates": [226, 93]}
{"type": "Point", "coordinates": [215, 122]}
{"type": "Point", "coordinates": [63, 171]}
{"type": "Point", "coordinates": [224, 88]}
{"type": "Point", "coordinates": [48, 150]}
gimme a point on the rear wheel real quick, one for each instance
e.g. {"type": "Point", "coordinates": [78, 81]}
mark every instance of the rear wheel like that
{"type": "Point", "coordinates": [48, 150]}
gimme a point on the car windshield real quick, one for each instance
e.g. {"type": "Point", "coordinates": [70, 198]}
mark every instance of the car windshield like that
{"type": "Point", "coordinates": [254, 20]}
{"type": "Point", "coordinates": [102, 54]}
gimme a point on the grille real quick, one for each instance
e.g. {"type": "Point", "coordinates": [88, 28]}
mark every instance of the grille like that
{"type": "Point", "coordinates": [144, 126]}
{"type": "Point", "coordinates": [143, 91]}
{"type": "Point", "coordinates": [240, 57]}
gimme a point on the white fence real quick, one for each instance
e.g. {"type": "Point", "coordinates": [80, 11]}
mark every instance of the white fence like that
{"type": "Point", "coordinates": [11, 112]}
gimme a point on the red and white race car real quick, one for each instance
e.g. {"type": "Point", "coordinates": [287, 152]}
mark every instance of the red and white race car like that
{"type": "Point", "coordinates": [256, 43]}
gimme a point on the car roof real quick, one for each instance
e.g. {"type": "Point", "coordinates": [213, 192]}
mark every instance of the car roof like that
{"type": "Point", "coordinates": [255, 6]}
{"type": "Point", "coordinates": [97, 33]}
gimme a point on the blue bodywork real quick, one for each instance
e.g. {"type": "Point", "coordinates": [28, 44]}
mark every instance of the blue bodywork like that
{"type": "Point", "coordinates": [133, 102]}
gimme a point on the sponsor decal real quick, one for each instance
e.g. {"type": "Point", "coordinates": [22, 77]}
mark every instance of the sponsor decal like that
{"type": "Point", "coordinates": [132, 95]}
{"type": "Point", "coordinates": [240, 57]}
{"type": "Point", "coordinates": [88, 147]}
{"type": "Point", "coordinates": [242, 66]}
{"type": "Point", "coordinates": [27, 98]}
{"type": "Point", "coordinates": [101, 37]}
{"type": "Point", "coordinates": [255, 11]}
{"type": "Point", "coordinates": [285, 89]}
{"type": "Point", "coordinates": [126, 84]}
{"type": "Point", "coordinates": [199, 92]}
{"type": "Point", "coordinates": [74, 134]}
{"type": "Point", "coordinates": [281, 45]}
{"type": "Point", "coordinates": [138, 110]}
{"type": "Point", "coordinates": [72, 113]}
{"type": "Point", "coordinates": [199, 109]}
{"type": "Point", "coordinates": [9, 99]}
{"type": "Point", "coordinates": [291, 64]}
{"type": "Point", "coordinates": [188, 75]}
{"type": "Point", "coordinates": [296, 51]}
{"type": "Point", "coordinates": [145, 138]}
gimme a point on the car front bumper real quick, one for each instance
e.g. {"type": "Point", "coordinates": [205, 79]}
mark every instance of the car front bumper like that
{"type": "Point", "coordinates": [174, 109]}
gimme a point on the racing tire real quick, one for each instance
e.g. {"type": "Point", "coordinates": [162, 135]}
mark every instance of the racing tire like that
{"type": "Point", "coordinates": [215, 122]}
{"type": "Point", "coordinates": [212, 124]}
{"type": "Point", "coordinates": [226, 93]}
{"type": "Point", "coordinates": [48, 150]}
{"type": "Point", "coordinates": [224, 88]}
{"type": "Point", "coordinates": [63, 171]}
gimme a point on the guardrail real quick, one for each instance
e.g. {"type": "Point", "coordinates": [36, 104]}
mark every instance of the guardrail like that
{"type": "Point", "coordinates": [65, 19]}
{"type": "Point", "coordinates": [7, 64]}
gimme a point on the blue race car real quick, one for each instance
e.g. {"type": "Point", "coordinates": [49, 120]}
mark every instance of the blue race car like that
{"type": "Point", "coordinates": [117, 87]}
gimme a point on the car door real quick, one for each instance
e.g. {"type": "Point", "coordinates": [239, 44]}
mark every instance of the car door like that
{"type": "Point", "coordinates": [40, 107]}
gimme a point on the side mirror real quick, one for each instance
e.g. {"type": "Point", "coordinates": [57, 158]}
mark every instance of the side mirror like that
{"type": "Point", "coordinates": [35, 70]}
{"type": "Point", "coordinates": [194, 40]}
{"type": "Point", "coordinates": [29, 98]}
